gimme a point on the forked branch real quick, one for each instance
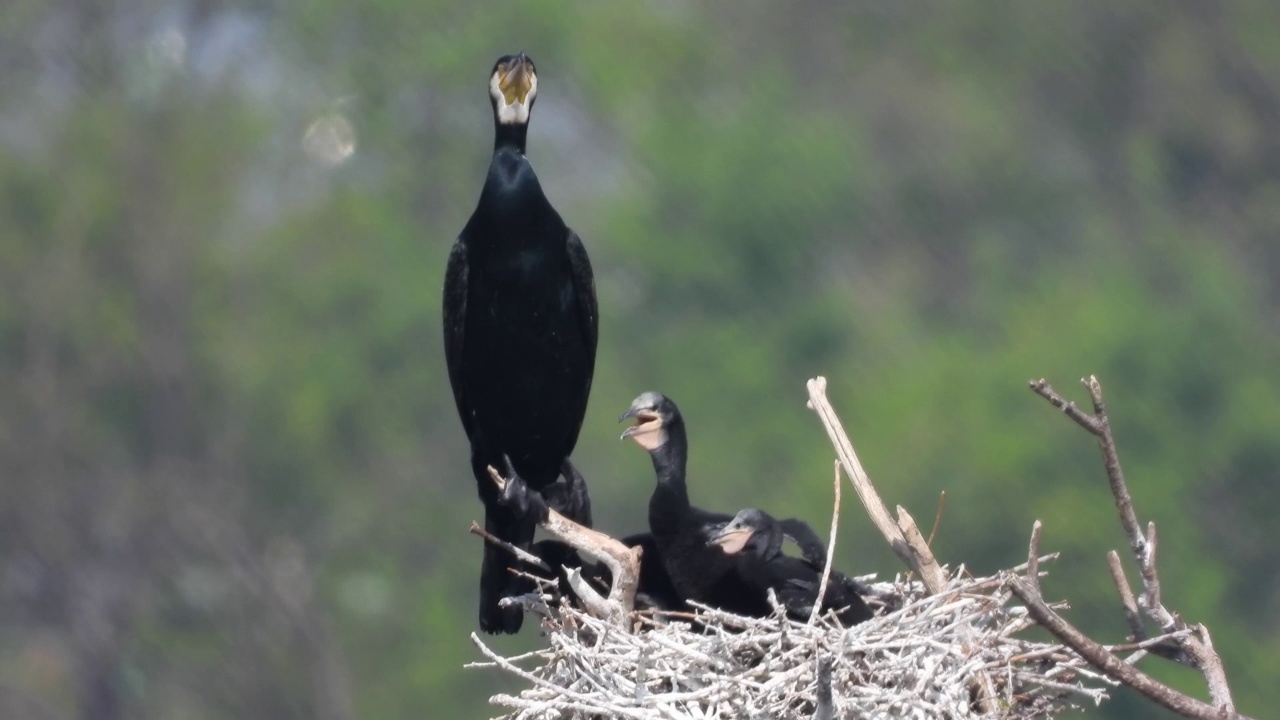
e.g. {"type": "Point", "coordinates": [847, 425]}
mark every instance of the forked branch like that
{"type": "Point", "coordinates": [1191, 645]}
{"type": "Point", "coordinates": [1102, 659]}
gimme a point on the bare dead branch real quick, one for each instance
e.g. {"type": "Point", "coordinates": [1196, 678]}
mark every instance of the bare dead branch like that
{"type": "Point", "coordinates": [918, 557]}
{"type": "Point", "coordinates": [831, 549]}
{"type": "Point", "coordinates": [623, 562]}
{"type": "Point", "coordinates": [1033, 557]}
{"type": "Point", "coordinates": [1136, 632]}
{"type": "Point", "coordinates": [1150, 577]}
{"type": "Point", "coordinates": [1148, 644]}
{"type": "Point", "coordinates": [1115, 475]}
{"type": "Point", "coordinates": [1100, 658]}
{"type": "Point", "coordinates": [521, 553]}
{"type": "Point", "coordinates": [1041, 387]}
{"type": "Point", "coordinates": [1197, 648]}
{"type": "Point", "coordinates": [926, 564]}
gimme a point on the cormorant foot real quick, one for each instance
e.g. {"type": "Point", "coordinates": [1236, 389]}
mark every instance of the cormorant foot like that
{"type": "Point", "coordinates": [517, 497]}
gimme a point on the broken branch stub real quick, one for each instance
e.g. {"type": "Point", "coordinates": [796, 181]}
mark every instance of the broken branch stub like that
{"type": "Point", "coordinates": [623, 563]}
{"type": "Point", "coordinates": [901, 533]}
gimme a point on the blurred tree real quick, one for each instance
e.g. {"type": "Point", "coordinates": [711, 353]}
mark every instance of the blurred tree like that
{"type": "Point", "coordinates": [234, 483]}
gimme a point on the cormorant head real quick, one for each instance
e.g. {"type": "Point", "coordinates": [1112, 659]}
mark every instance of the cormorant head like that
{"type": "Point", "coordinates": [513, 86]}
{"type": "Point", "coordinates": [734, 536]}
{"type": "Point", "coordinates": [653, 413]}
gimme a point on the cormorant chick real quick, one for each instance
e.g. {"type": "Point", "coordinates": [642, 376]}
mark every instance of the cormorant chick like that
{"type": "Point", "coordinates": [681, 531]}
{"type": "Point", "coordinates": [754, 538]}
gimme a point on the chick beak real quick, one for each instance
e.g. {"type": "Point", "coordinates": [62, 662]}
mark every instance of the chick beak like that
{"type": "Point", "coordinates": [632, 412]}
{"type": "Point", "coordinates": [731, 539]}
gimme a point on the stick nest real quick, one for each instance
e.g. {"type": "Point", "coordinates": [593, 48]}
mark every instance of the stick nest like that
{"type": "Point", "coordinates": [955, 654]}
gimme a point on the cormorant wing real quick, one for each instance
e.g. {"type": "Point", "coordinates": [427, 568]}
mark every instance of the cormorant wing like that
{"type": "Point", "coordinates": [795, 585]}
{"type": "Point", "coordinates": [584, 287]}
{"type": "Point", "coordinates": [455, 322]}
{"type": "Point", "coordinates": [812, 549]}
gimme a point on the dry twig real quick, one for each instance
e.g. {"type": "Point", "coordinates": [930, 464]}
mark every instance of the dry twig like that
{"type": "Point", "coordinates": [916, 554]}
{"type": "Point", "coordinates": [1033, 557]}
{"type": "Point", "coordinates": [519, 552]}
{"type": "Point", "coordinates": [623, 562]}
{"type": "Point", "coordinates": [916, 662]}
{"type": "Point", "coordinates": [831, 548]}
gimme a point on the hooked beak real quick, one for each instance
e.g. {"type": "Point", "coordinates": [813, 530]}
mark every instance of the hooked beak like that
{"type": "Point", "coordinates": [731, 539]}
{"type": "Point", "coordinates": [646, 420]}
{"type": "Point", "coordinates": [632, 412]}
{"type": "Point", "coordinates": [516, 82]}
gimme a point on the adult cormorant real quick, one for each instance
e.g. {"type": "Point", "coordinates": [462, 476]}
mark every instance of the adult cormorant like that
{"type": "Point", "coordinates": [755, 539]}
{"type": "Point", "coordinates": [520, 328]}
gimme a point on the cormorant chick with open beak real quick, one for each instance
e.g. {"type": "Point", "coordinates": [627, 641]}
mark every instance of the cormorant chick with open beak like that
{"type": "Point", "coordinates": [754, 538]}
{"type": "Point", "coordinates": [680, 531]}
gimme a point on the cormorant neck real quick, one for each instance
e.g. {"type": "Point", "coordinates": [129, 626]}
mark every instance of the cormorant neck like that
{"type": "Point", "coordinates": [770, 542]}
{"type": "Point", "coordinates": [510, 135]}
{"type": "Point", "coordinates": [669, 462]}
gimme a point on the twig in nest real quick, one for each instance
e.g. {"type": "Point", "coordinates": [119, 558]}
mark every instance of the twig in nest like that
{"type": "Point", "coordinates": [831, 550]}
{"type": "Point", "coordinates": [917, 662]}
{"type": "Point", "coordinates": [826, 708]}
{"type": "Point", "coordinates": [1033, 557]}
{"type": "Point", "coordinates": [912, 551]}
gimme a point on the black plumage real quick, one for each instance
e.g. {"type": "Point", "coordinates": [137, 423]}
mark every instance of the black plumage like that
{"type": "Point", "coordinates": [754, 539]}
{"type": "Point", "coordinates": [520, 330]}
{"type": "Point", "coordinates": [680, 531]}
{"type": "Point", "coordinates": [683, 534]}
{"type": "Point", "coordinates": [655, 591]}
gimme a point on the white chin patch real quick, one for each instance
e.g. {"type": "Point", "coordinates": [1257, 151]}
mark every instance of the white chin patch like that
{"type": "Point", "coordinates": [516, 113]}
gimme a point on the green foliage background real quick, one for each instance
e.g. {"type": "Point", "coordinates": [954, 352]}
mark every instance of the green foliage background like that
{"type": "Point", "coordinates": [232, 482]}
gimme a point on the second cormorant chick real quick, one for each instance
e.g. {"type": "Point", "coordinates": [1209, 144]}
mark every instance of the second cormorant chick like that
{"type": "Point", "coordinates": [754, 538]}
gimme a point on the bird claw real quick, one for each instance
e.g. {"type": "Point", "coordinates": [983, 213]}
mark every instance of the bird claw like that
{"type": "Point", "coordinates": [517, 497]}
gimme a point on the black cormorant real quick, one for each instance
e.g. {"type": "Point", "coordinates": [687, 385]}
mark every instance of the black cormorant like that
{"type": "Point", "coordinates": [655, 590]}
{"type": "Point", "coordinates": [520, 328]}
{"type": "Point", "coordinates": [755, 539]}
{"type": "Point", "coordinates": [681, 531]}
